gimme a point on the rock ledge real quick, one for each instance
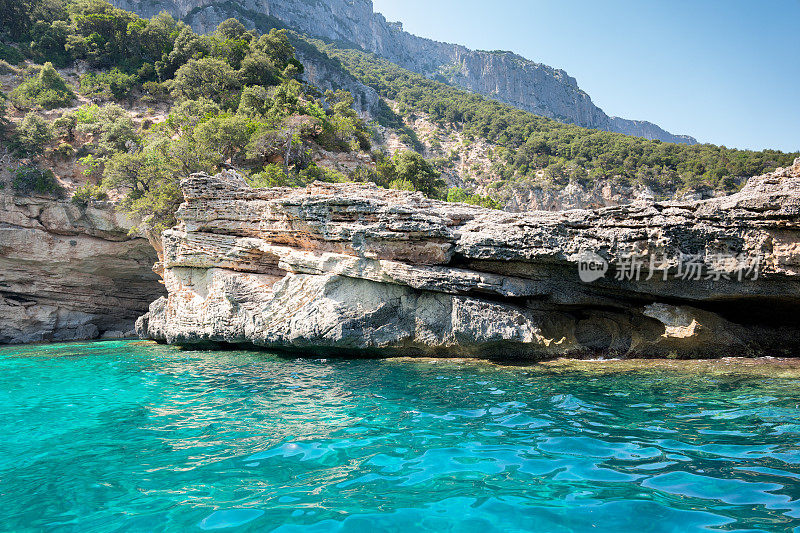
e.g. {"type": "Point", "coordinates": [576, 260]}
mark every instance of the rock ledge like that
{"type": "Point", "coordinates": [353, 268]}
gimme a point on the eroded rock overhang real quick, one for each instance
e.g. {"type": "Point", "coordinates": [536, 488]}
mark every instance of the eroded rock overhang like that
{"type": "Point", "coordinates": [357, 268]}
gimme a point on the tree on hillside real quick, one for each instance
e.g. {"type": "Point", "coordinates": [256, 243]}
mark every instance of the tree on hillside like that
{"type": "Point", "coordinates": [226, 135]}
{"type": "Point", "coordinates": [209, 77]}
{"type": "Point", "coordinates": [412, 168]}
{"type": "Point", "coordinates": [47, 89]}
{"type": "Point", "coordinates": [148, 177]}
{"type": "Point", "coordinates": [32, 135]}
{"type": "Point", "coordinates": [230, 29]}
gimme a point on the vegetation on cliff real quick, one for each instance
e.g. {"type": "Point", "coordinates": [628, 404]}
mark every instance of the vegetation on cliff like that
{"type": "Point", "coordinates": [231, 98]}
{"type": "Point", "coordinates": [530, 143]}
{"type": "Point", "coordinates": [235, 98]}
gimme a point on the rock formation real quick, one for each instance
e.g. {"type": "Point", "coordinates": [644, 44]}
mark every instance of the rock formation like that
{"type": "Point", "coordinates": [352, 268]}
{"type": "Point", "coordinates": [506, 76]}
{"type": "Point", "coordinates": [69, 273]}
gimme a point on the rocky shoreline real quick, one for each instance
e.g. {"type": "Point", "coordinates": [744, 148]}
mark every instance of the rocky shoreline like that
{"type": "Point", "coordinates": [352, 268]}
{"type": "Point", "coordinates": [70, 272]}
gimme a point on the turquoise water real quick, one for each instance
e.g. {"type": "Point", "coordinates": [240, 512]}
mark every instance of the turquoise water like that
{"type": "Point", "coordinates": [120, 436]}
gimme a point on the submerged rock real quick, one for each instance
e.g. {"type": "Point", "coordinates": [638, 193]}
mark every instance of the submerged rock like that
{"type": "Point", "coordinates": [352, 267]}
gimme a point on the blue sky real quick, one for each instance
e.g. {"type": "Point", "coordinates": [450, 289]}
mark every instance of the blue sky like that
{"type": "Point", "coordinates": [724, 71]}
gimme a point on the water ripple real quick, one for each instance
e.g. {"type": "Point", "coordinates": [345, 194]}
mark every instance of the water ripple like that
{"type": "Point", "coordinates": [126, 437]}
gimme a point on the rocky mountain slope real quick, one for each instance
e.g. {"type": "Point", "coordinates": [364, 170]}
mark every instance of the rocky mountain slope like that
{"type": "Point", "coordinates": [475, 166]}
{"type": "Point", "coordinates": [506, 76]}
{"type": "Point", "coordinates": [349, 267]}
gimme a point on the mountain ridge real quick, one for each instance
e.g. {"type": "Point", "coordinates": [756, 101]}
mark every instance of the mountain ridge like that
{"type": "Point", "coordinates": [504, 76]}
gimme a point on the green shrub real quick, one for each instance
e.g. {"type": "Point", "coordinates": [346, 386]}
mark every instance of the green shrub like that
{"type": "Point", "coordinates": [29, 179]}
{"type": "Point", "coordinates": [146, 72]}
{"type": "Point", "coordinates": [150, 181]}
{"type": "Point", "coordinates": [255, 101]}
{"type": "Point", "coordinates": [315, 173]}
{"type": "Point", "coordinates": [111, 84]}
{"type": "Point", "coordinates": [93, 166]}
{"type": "Point", "coordinates": [225, 135]}
{"type": "Point", "coordinates": [188, 114]}
{"type": "Point", "coordinates": [266, 144]}
{"type": "Point", "coordinates": [10, 54]}
{"type": "Point", "coordinates": [154, 91]}
{"type": "Point", "coordinates": [208, 77]}
{"type": "Point", "coordinates": [47, 90]}
{"type": "Point", "coordinates": [49, 42]}
{"type": "Point", "coordinates": [401, 185]}
{"type": "Point", "coordinates": [31, 135]}
{"type": "Point", "coordinates": [65, 125]}
{"type": "Point", "coordinates": [267, 59]}
{"type": "Point", "coordinates": [271, 176]}
{"type": "Point", "coordinates": [109, 113]}
{"type": "Point", "coordinates": [87, 194]}
{"type": "Point", "coordinates": [64, 151]}
{"type": "Point", "coordinates": [87, 114]}
{"type": "Point", "coordinates": [257, 70]}
{"type": "Point", "coordinates": [98, 119]}
{"type": "Point", "coordinates": [459, 195]}
{"type": "Point", "coordinates": [413, 168]}
{"type": "Point", "coordinates": [118, 135]}
{"type": "Point", "coordinates": [3, 118]}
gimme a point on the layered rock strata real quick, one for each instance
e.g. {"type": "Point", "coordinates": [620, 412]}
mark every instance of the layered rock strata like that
{"type": "Point", "coordinates": [352, 268]}
{"type": "Point", "coordinates": [70, 273]}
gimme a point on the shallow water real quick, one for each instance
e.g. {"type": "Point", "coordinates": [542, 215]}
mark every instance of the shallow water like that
{"type": "Point", "coordinates": [125, 436]}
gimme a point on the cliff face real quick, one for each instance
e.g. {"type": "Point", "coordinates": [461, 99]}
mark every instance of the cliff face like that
{"type": "Point", "coordinates": [324, 76]}
{"type": "Point", "coordinates": [68, 273]}
{"type": "Point", "coordinates": [351, 267]}
{"type": "Point", "coordinates": [648, 130]}
{"type": "Point", "coordinates": [505, 76]}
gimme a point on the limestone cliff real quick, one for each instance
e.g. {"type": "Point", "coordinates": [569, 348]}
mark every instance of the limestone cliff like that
{"type": "Point", "coordinates": [351, 267]}
{"type": "Point", "coordinates": [70, 273]}
{"type": "Point", "coordinates": [325, 75]}
{"type": "Point", "coordinates": [506, 76]}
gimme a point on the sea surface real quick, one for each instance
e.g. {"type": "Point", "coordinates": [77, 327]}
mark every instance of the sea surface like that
{"type": "Point", "coordinates": [129, 436]}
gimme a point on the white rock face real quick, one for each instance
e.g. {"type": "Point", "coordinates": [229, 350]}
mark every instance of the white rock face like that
{"type": "Point", "coordinates": [68, 273]}
{"type": "Point", "coordinates": [352, 267]}
{"type": "Point", "coordinates": [505, 76]}
{"type": "Point", "coordinates": [337, 312]}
